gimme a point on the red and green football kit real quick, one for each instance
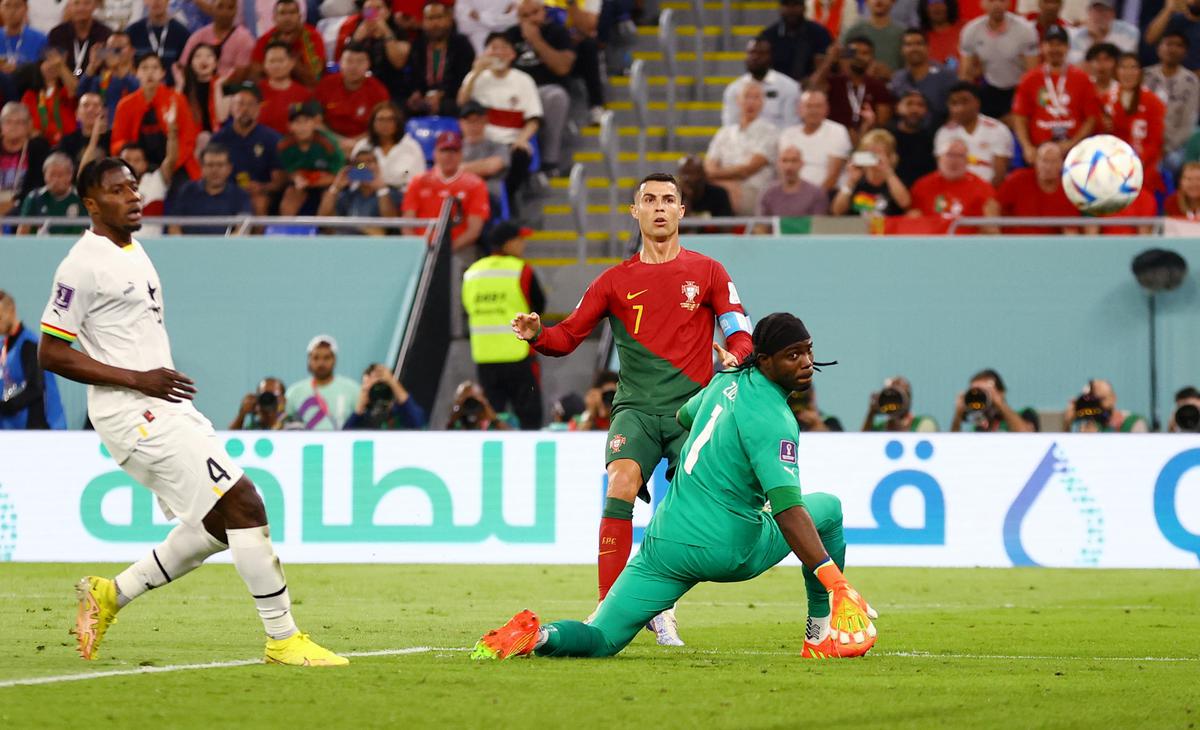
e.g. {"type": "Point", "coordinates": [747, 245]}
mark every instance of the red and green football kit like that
{"type": "Point", "coordinates": [661, 317]}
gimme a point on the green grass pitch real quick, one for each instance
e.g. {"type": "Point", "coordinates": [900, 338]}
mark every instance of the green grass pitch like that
{"type": "Point", "coordinates": [957, 648]}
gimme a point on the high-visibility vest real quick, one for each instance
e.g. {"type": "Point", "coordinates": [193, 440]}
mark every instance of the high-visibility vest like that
{"type": "Point", "coordinates": [492, 296]}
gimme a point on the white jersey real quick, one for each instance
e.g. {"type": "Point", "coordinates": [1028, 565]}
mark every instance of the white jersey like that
{"type": "Point", "coordinates": [109, 299]}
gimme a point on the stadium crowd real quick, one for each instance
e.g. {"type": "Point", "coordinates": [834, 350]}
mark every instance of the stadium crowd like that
{"type": "Point", "coordinates": [917, 113]}
{"type": "Point", "coordinates": [232, 106]}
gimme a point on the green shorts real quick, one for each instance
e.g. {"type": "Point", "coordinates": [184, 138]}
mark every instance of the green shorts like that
{"type": "Point", "coordinates": [646, 439]}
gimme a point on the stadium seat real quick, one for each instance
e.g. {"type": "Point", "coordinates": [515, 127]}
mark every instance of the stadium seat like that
{"type": "Point", "coordinates": [535, 155]}
{"type": "Point", "coordinates": [505, 211]}
{"type": "Point", "coordinates": [426, 129]}
{"type": "Point", "coordinates": [287, 230]}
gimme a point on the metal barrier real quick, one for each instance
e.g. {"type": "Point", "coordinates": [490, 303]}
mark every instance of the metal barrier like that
{"type": "Point", "coordinates": [724, 225]}
{"type": "Point", "coordinates": [1029, 222]}
{"type": "Point", "coordinates": [668, 29]}
{"type": "Point", "coordinates": [700, 20]}
{"type": "Point", "coordinates": [237, 225]}
{"type": "Point", "coordinates": [639, 94]}
{"type": "Point", "coordinates": [577, 196]}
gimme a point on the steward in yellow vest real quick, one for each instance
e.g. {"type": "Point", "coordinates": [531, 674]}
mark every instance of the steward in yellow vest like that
{"type": "Point", "coordinates": [494, 290]}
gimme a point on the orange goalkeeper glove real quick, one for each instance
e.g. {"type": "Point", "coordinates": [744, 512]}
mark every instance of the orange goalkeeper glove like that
{"type": "Point", "coordinates": [851, 631]}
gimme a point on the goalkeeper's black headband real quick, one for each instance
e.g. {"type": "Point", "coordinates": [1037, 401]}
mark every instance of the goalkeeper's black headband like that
{"type": "Point", "coordinates": [777, 332]}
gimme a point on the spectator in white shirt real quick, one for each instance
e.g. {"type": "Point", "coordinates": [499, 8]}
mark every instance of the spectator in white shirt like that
{"type": "Point", "coordinates": [740, 155]}
{"type": "Point", "coordinates": [781, 91]}
{"type": "Point", "coordinates": [989, 142]}
{"type": "Point", "coordinates": [1000, 47]}
{"type": "Point", "coordinates": [823, 143]}
{"type": "Point", "coordinates": [1102, 26]}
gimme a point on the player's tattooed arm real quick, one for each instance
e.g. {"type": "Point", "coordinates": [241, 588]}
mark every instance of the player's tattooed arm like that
{"type": "Point", "coordinates": [59, 357]}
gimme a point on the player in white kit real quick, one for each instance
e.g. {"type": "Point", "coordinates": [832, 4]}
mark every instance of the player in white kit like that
{"type": "Point", "coordinates": [107, 297]}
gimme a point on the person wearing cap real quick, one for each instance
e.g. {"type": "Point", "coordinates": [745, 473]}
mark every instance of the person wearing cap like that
{"type": "Point", "coordinates": [303, 40]}
{"type": "Point", "coordinates": [998, 47]}
{"type": "Point", "coordinates": [359, 191]}
{"type": "Point", "coordinates": [253, 148]}
{"type": "Point", "coordinates": [310, 158]}
{"type": "Point", "coordinates": [440, 59]}
{"type": "Point", "coordinates": [1054, 102]}
{"type": "Point", "coordinates": [485, 157]}
{"type": "Point", "coordinates": [1102, 26]}
{"type": "Point", "coordinates": [425, 193]}
{"type": "Point", "coordinates": [280, 91]}
{"type": "Point", "coordinates": [495, 288]}
{"type": "Point", "coordinates": [324, 401]}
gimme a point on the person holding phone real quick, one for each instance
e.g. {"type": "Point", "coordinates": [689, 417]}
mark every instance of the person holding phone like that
{"type": "Point", "coordinates": [359, 191]}
{"type": "Point", "coordinates": [872, 186]}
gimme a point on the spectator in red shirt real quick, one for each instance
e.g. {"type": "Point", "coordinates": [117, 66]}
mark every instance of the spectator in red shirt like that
{"type": "Point", "coordinates": [349, 95]}
{"type": "Point", "coordinates": [1138, 117]}
{"type": "Point", "coordinates": [280, 91]}
{"type": "Point", "coordinates": [1054, 102]}
{"type": "Point", "coordinates": [303, 40]}
{"type": "Point", "coordinates": [1185, 202]}
{"type": "Point", "coordinates": [1049, 13]}
{"type": "Point", "coordinates": [941, 24]}
{"type": "Point", "coordinates": [951, 191]}
{"type": "Point", "coordinates": [51, 102]}
{"type": "Point", "coordinates": [1036, 192]}
{"type": "Point", "coordinates": [425, 193]}
{"type": "Point", "coordinates": [858, 100]}
{"type": "Point", "coordinates": [1143, 206]}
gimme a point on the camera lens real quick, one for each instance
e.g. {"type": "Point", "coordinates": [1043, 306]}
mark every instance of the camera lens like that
{"type": "Point", "coordinates": [976, 400]}
{"type": "Point", "coordinates": [607, 397]}
{"type": "Point", "coordinates": [1187, 418]}
{"type": "Point", "coordinates": [379, 392]}
{"type": "Point", "coordinates": [892, 402]}
{"type": "Point", "coordinates": [268, 400]}
{"type": "Point", "coordinates": [1088, 408]}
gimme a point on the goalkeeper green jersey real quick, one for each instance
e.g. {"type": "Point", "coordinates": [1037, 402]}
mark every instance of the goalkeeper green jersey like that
{"type": "Point", "coordinates": [743, 443]}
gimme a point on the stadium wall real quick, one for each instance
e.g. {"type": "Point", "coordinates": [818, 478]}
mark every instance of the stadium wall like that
{"type": "Point", "coordinates": [1049, 313]}
{"type": "Point", "coordinates": [239, 309]}
{"type": "Point", "coordinates": [1070, 500]}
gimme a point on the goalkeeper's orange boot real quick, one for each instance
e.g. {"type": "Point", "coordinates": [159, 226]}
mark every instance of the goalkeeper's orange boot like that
{"type": "Point", "coordinates": [515, 638]}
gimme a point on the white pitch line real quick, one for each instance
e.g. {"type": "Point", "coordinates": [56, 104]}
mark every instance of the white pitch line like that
{"type": "Point", "coordinates": [977, 657]}
{"type": "Point", "coordinates": [189, 667]}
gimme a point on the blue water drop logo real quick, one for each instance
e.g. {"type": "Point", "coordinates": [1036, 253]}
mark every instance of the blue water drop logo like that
{"type": "Point", "coordinates": [1055, 471]}
{"type": "Point", "coordinates": [8, 528]}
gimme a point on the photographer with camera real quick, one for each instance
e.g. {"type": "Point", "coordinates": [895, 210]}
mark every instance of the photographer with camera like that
{"type": "Point", "coordinates": [472, 411]}
{"type": "Point", "coordinates": [597, 402]}
{"type": "Point", "coordinates": [983, 407]}
{"type": "Point", "coordinates": [384, 404]}
{"type": "Point", "coordinates": [1186, 418]}
{"type": "Point", "coordinates": [266, 408]}
{"type": "Point", "coordinates": [1095, 411]}
{"type": "Point", "coordinates": [890, 409]}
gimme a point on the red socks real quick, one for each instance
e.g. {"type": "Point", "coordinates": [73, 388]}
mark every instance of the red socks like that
{"type": "Point", "coordinates": [616, 540]}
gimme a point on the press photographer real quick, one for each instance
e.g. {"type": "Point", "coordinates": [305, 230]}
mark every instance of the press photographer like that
{"type": "Point", "coordinates": [598, 403]}
{"type": "Point", "coordinates": [983, 407]}
{"type": "Point", "coordinates": [383, 404]}
{"type": "Point", "coordinates": [472, 411]}
{"type": "Point", "coordinates": [1095, 411]}
{"type": "Point", "coordinates": [1186, 418]}
{"type": "Point", "coordinates": [890, 409]}
{"type": "Point", "coordinates": [266, 408]}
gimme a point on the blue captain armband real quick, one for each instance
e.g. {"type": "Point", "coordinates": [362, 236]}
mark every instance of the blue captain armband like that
{"type": "Point", "coordinates": [734, 322]}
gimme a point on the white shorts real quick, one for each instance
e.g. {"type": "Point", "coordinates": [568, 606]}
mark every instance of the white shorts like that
{"type": "Point", "coordinates": [182, 461]}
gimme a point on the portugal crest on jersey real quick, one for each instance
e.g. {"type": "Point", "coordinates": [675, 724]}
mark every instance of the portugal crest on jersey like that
{"type": "Point", "coordinates": [690, 290]}
{"type": "Point", "coordinates": [616, 444]}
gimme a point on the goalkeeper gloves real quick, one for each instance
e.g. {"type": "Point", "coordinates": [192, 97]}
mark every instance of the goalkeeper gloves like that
{"type": "Point", "coordinates": [851, 631]}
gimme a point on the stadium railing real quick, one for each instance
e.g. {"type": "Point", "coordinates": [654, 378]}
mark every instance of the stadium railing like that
{"type": "Point", "coordinates": [699, 17]}
{"type": "Point", "coordinates": [610, 147]}
{"type": "Point", "coordinates": [577, 198]}
{"type": "Point", "coordinates": [1158, 224]}
{"type": "Point", "coordinates": [639, 93]}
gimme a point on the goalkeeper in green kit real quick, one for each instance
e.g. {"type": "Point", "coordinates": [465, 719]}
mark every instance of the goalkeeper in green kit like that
{"type": "Point", "coordinates": [713, 526]}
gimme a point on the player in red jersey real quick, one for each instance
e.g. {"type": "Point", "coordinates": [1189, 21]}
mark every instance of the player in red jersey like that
{"type": "Point", "coordinates": [661, 304]}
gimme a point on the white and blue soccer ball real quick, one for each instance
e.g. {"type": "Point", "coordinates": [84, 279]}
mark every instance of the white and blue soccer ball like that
{"type": "Point", "coordinates": [1102, 175]}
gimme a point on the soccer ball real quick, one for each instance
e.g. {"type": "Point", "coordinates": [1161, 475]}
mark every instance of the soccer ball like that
{"type": "Point", "coordinates": [1102, 175]}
